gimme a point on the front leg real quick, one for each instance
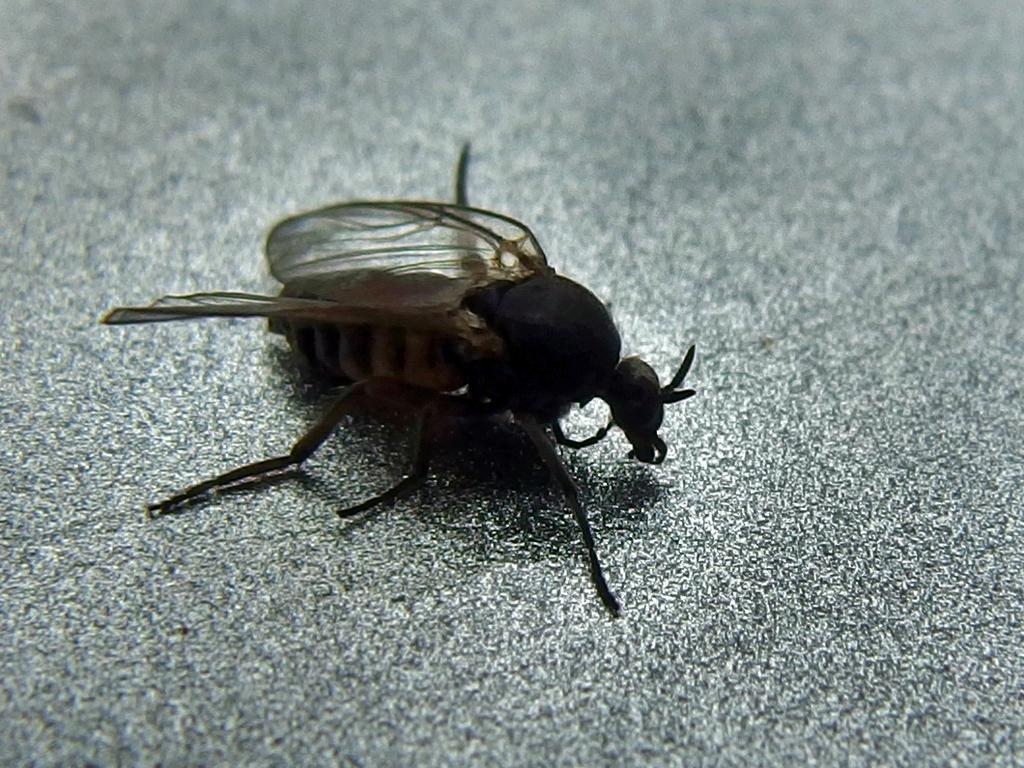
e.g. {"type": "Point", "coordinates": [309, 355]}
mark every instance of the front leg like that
{"type": "Point", "coordinates": [561, 475]}
{"type": "Point", "coordinates": [562, 439]}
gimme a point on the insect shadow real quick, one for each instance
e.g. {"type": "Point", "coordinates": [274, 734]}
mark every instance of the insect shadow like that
{"type": "Point", "coordinates": [507, 509]}
{"type": "Point", "coordinates": [487, 488]}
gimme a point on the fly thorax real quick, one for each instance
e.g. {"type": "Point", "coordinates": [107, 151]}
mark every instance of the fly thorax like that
{"type": "Point", "coordinates": [561, 345]}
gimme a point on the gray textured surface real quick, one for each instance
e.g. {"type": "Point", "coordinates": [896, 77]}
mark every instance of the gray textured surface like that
{"type": "Point", "coordinates": [829, 566]}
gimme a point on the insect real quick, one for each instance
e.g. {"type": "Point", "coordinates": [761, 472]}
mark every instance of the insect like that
{"type": "Point", "coordinates": [437, 308]}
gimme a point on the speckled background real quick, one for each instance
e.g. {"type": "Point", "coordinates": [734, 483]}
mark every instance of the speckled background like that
{"type": "Point", "coordinates": [827, 569]}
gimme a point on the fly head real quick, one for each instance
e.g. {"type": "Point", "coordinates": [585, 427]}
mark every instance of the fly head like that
{"type": "Point", "coordinates": [637, 402]}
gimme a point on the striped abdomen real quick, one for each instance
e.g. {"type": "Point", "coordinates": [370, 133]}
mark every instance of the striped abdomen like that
{"type": "Point", "coordinates": [357, 352]}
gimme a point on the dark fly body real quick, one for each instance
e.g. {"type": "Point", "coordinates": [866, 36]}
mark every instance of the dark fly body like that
{"type": "Point", "coordinates": [431, 307]}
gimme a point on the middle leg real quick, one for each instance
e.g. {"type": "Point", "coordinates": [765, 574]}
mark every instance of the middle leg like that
{"type": "Point", "coordinates": [416, 477]}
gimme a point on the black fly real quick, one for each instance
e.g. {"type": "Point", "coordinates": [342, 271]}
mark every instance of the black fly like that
{"type": "Point", "coordinates": [431, 307]}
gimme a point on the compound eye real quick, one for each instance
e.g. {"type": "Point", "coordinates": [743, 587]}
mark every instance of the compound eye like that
{"type": "Point", "coordinates": [635, 398]}
{"type": "Point", "coordinates": [634, 372]}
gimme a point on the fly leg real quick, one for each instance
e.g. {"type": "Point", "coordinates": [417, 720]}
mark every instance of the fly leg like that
{"type": "Point", "coordinates": [460, 176]}
{"type": "Point", "coordinates": [554, 464]}
{"type": "Point", "coordinates": [562, 439]}
{"type": "Point", "coordinates": [301, 451]}
{"type": "Point", "coordinates": [409, 483]}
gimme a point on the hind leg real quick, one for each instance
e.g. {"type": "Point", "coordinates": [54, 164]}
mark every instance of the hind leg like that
{"type": "Point", "coordinates": [302, 450]}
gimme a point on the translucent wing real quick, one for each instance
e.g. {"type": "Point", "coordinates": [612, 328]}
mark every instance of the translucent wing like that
{"type": "Point", "coordinates": [400, 264]}
{"type": "Point", "coordinates": [331, 248]}
{"type": "Point", "coordinates": [221, 304]}
{"type": "Point", "coordinates": [442, 319]}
